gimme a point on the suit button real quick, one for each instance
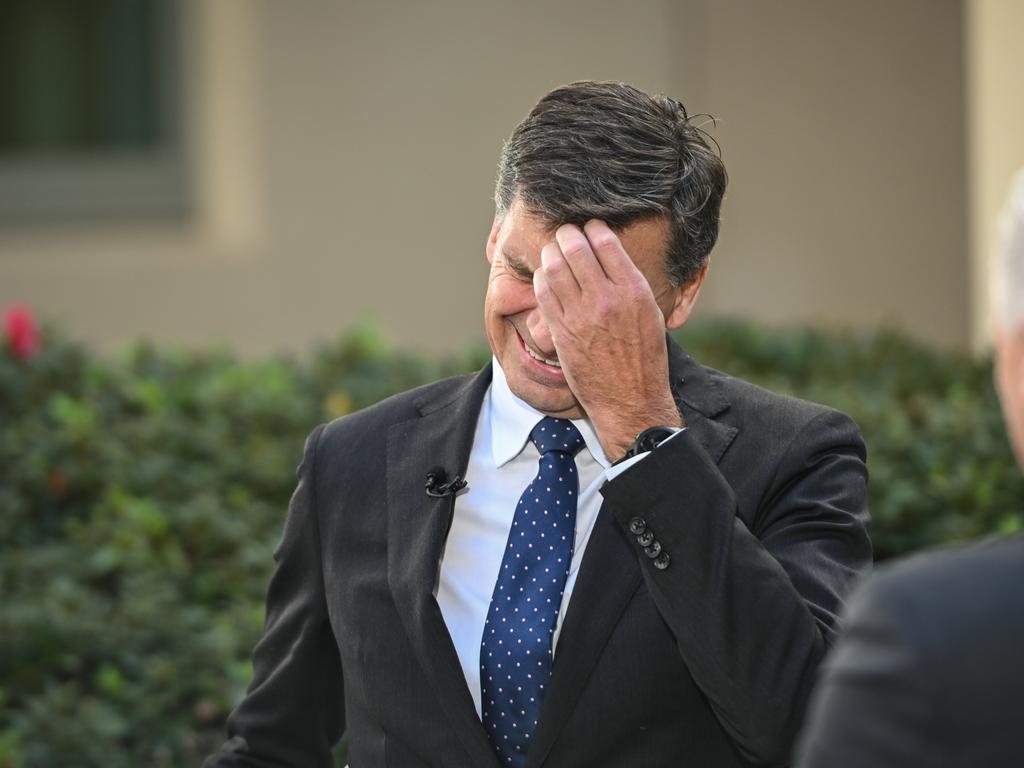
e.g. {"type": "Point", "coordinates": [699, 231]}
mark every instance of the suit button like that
{"type": "Point", "coordinates": [646, 538]}
{"type": "Point", "coordinates": [654, 550]}
{"type": "Point", "coordinates": [637, 526]}
{"type": "Point", "coordinates": [661, 563]}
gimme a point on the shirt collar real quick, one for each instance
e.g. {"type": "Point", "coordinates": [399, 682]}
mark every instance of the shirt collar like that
{"type": "Point", "coordinates": [512, 420]}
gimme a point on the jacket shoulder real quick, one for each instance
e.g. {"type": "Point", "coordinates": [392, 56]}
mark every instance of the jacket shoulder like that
{"type": "Point", "coordinates": [951, 603]}
{"type": "Point", "coordinates": [395, 409]}
{"type": "Point", "coordinates": [345, 447]}
{"type": "Point", "coordinates": [751, 399]}
{"type": "Point", "coordinates": [956, 573]}
{"type": "Point", "coordinates": [777, 419]}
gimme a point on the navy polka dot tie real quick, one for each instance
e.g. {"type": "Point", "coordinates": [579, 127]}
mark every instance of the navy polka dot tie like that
{"type": "Point", "coordinates": [515, 654]}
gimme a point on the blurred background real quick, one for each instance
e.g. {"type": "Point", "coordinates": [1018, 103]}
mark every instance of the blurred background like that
{"type": "Point", "coordinates": [224, 221]}
{"type": "Point", "coordinates": [264, 174]}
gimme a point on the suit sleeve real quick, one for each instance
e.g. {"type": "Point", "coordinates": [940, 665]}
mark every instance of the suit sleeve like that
{"type": "Point", "coordinates": [293, 711]}
{"type": "Point", "coordinates": [873, 704]}
{"type": "Point", "coordinates": [753, 609]}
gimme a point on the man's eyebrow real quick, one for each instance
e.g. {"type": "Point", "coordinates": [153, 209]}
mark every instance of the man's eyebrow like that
{"type": "Point", "coordinates": [516, 264]}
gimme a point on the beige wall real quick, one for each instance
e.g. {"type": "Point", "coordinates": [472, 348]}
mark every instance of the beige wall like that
{"type": "Point", "coordinates": [345, 156]}
{"type": "Point", "coordinates": [842, 125]}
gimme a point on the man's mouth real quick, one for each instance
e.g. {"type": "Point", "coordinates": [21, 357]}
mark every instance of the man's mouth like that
{"type": "Point", "coordinates": [537, 355]}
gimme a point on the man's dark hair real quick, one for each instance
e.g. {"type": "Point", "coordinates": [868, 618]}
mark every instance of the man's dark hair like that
{"type": "Point", "coordinates": [610, 151]}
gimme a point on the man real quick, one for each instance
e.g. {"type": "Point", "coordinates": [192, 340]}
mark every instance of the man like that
{"type": "Point", "coordinates": [929, 671]}
{"type": "Point", "coordinates": [594, 552]}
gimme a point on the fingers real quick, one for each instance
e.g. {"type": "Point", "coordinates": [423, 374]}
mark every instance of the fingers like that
{"type": "Point", "coordinates": [580, 258]}
{"type": "Point", "coordinates": [558, 275]}
{"type": "Point", "coordinates": [583, 265]}
{"type": "Point", "coordinates": [547, 301]}
{"type": "Point", "coordinates": [609, 253]}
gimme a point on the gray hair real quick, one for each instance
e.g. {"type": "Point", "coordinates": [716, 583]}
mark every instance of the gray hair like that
{"type": "Point", "coordinates": [1008, 282]}
{"type": "Point", "coordinates": [610, 151]}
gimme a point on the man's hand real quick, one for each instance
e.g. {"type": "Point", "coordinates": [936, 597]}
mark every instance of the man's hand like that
{"type": "Point", "coordinates": [608, 331]}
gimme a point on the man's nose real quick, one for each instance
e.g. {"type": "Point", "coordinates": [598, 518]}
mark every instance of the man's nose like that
{"type": "Point", "coordinates": [540, 333]}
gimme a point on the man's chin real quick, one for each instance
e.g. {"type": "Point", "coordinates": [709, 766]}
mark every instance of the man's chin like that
{"type": "Point", "coordinates": [557, 401]}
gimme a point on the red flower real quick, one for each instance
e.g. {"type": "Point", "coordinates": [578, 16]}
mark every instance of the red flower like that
{"type": "Point", "coordinates": [21, 331]}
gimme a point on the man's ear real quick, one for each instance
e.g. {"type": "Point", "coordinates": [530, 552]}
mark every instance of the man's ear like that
{"type": "Point", "coordinates": [492, 238]}
{"type": "Point", "coordinates": [685, 298]}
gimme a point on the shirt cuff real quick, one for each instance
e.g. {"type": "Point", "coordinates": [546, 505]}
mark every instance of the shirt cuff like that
{"type": "Point", "coordinates": [614, 471]}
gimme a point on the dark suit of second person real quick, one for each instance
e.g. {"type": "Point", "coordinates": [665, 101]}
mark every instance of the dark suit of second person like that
{"type": "Point", "coordinates": [930, 669]}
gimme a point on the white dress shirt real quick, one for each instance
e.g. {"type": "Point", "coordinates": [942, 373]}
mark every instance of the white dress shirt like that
{"type": "Point", "coordinates": [502, 463]}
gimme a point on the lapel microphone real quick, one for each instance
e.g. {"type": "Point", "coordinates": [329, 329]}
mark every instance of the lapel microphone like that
{"type": "Point", "coordinates": [438, 485]}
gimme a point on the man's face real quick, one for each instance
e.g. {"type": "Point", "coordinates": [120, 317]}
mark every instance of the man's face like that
{"type": "Point", "coordinates": [1009, 375]}
{"type": "Point", "coordinates": [518, 336]}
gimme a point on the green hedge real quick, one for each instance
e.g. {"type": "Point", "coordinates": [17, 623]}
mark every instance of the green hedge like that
{"type": "Point", "coordinates": [141, 499]}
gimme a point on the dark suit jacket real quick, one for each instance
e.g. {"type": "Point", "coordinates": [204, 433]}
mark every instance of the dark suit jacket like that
{"type": "Point", "coordinates": [930, 671]}
{"type": "Point", "coordinates": [760, 504]}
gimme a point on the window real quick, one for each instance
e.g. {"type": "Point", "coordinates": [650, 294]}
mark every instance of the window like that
{"type": "Point", "coordinates": [90, 111]}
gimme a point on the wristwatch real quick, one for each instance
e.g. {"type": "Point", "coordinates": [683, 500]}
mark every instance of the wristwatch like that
{"type": "Point", "coordinates": [648, 440]}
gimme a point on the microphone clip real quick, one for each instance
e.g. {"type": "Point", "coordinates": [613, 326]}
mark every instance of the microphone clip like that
{"type": "Point", "coordinates": [438, 485]}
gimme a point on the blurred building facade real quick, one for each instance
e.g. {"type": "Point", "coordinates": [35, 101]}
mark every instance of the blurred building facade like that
{"type": "Point", "coordinates": [293, 168]}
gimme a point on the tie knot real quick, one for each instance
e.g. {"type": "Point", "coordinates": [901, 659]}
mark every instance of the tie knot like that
{"type": "Point", "coordinates": [556, 435]}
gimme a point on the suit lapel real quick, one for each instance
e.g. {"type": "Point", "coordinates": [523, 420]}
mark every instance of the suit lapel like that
{"type": "Point", "coordinates": [700, 400]}
{"type": "Point", "coordinates": [417, 524]}
{"type": "Point", "coordinates": [609, 573]}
